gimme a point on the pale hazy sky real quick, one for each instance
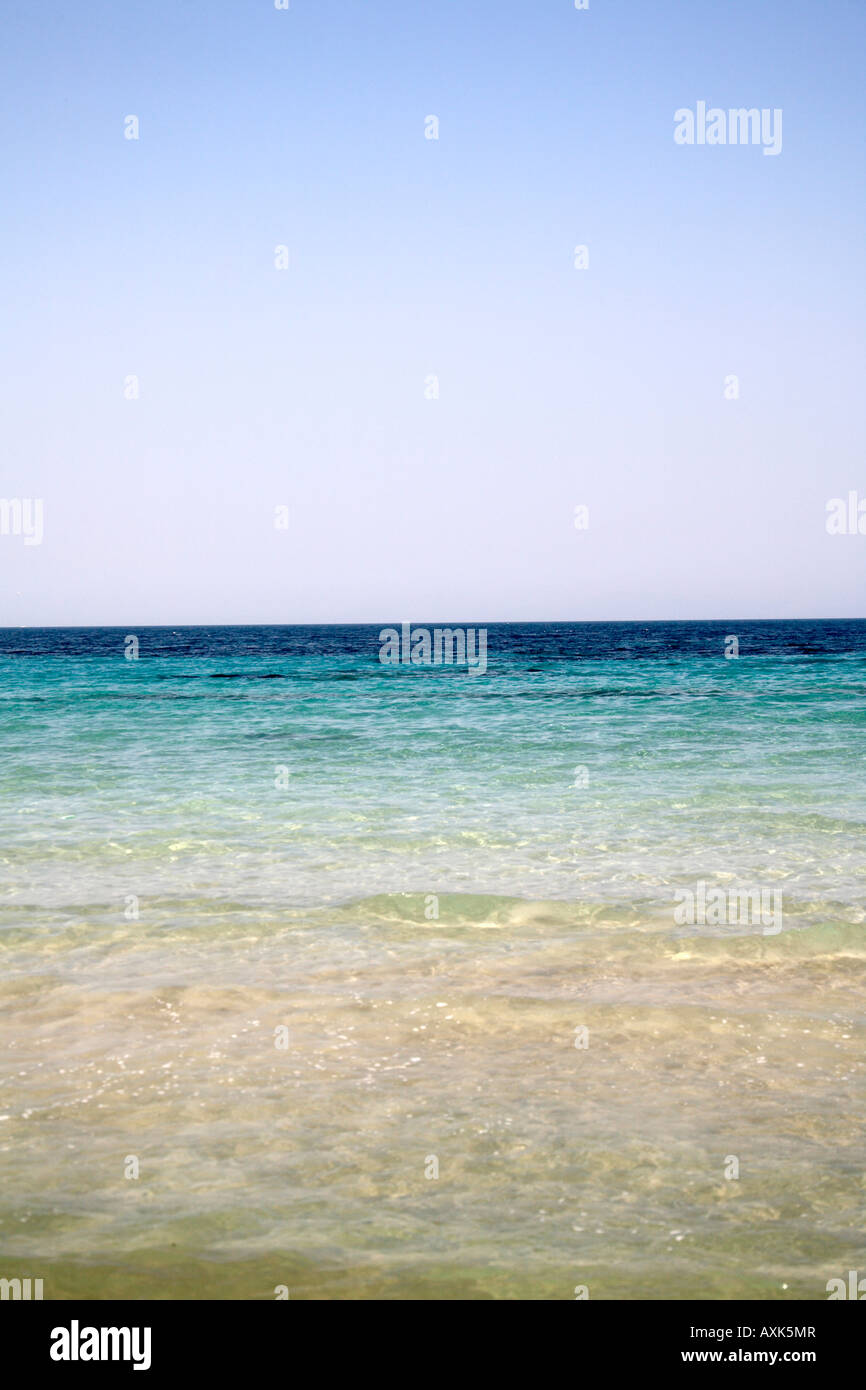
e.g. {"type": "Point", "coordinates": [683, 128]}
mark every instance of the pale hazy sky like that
{"type": "Point", "coordinates": [412, 257]}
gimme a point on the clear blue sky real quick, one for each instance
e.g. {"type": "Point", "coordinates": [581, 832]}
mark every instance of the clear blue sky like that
{"type": "Point", "coordinates": [412, 257]}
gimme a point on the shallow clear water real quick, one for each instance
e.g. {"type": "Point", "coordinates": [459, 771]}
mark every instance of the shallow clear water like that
{"type": "Point", "coordinates": [432, 904]}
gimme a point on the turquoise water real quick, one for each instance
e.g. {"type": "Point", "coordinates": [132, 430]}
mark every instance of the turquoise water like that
{"type": "Point", "coordinates": [431, 880]}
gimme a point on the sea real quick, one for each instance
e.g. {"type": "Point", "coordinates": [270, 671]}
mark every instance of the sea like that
{"type": "Point", "coordinates": [328, 977]}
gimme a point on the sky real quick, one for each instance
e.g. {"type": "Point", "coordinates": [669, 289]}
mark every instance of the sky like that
{"type": "Point", "coordinates": [400, 424]}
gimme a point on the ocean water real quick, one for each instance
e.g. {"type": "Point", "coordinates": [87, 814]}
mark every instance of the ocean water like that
{"type": "Point", "coordinates": [376, 975]}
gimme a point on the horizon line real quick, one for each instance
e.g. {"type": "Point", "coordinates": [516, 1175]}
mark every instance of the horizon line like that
{"type": "Point", "coordinates": [493, 622]}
